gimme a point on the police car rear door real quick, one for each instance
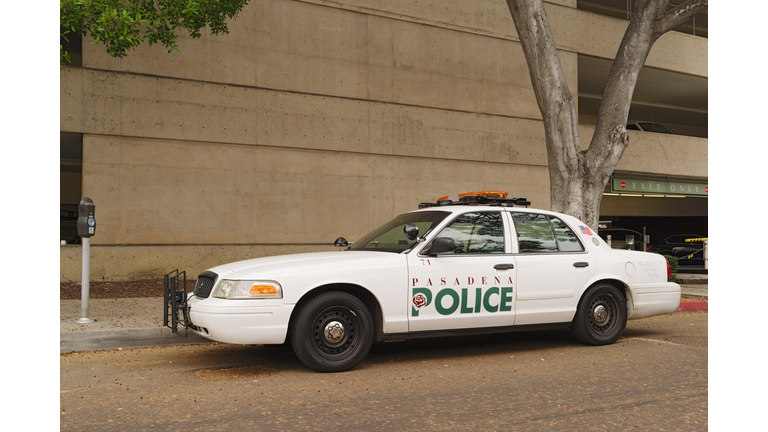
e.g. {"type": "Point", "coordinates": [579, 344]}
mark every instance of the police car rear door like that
{"type": "Point", "coordinates": [552, 268]}
{"type": "Point", "coordinates": [469, 288]}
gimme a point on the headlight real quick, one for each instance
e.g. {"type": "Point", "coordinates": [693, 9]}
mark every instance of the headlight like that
{"type": "Point", "coordinates": [234, 289]}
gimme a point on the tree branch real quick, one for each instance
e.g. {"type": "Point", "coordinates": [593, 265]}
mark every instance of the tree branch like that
{"type": "Point", "coordinates": [678, 15]}
{"type": "Point", "coordinates": [549, 85]}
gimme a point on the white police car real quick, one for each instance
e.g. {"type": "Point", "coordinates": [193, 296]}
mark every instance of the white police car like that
{"type": "Point", "coordinates": [476, 263]}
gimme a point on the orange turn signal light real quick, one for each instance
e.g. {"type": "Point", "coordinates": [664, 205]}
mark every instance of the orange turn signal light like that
{"type": "Point", "coordinates": [257, 289]}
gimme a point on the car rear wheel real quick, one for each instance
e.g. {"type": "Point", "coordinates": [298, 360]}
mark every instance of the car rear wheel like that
{"type": "Point", "coordinates": [332, 332]}
{"type": "Point", "coordinates": [601, 316]}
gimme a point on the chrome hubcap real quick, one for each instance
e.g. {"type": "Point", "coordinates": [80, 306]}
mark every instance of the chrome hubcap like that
{"type": "Point", "coordinates": [600, 315]}
{"type": "Point", "coordinates": [333, 332]}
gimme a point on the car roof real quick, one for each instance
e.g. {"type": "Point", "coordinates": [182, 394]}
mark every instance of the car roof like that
{"type": "Point", "coordinates": [686, 235]}
{"type": "Point", "coordinates": [473, 208]}
{"type": "Point", "coordinates": [487, 201]}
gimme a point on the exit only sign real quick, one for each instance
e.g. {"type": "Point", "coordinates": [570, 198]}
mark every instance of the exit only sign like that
{"type": "Point", "coordinates": [655, 187]}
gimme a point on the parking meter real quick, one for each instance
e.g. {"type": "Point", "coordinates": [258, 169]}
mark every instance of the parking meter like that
{"type": "Point", "coordinates": [630, 241]}
{"type": "Point", "coordinates": [86, 227]}
{"type": "Point", "coordinates": [86, 220]}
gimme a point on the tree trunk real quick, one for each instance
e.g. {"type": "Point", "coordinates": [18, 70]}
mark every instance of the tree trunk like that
{"type": "Point", "coordinates": [577, 179]}
{"type": "Point", "coordinates": [556, 104]}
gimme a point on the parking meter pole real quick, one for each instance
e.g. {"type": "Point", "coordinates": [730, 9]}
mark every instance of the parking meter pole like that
{"type": "Point", "coordinates": [85, 282]}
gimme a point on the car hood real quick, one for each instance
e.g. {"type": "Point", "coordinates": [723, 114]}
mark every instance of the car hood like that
{"type": "Point", "coordinates": [316, 263]}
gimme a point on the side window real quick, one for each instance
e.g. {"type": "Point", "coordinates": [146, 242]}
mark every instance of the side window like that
{"type": "Point", "coordinates": [476, 233]}
{"type": "Point", "coordinates": [534, 233]}
{"type": "Point", "coordinates": [540, 233]}
{"type": "Point", "coordinates": [566, 239]}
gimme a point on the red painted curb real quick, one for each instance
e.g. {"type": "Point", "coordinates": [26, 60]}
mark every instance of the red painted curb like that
{"type": "Point", "coordinates": [693, 306]}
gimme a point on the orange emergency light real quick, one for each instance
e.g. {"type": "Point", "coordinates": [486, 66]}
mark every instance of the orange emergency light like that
{"type": "Point", "coordinates": [487, 194]}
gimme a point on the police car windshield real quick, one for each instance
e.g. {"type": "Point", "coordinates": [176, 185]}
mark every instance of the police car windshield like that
{"type": "Point", "coordinates": [390, 237]}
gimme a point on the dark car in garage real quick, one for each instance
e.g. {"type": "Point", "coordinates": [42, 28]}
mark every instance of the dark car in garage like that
{"type": "Point", "coordinates": [688, 253]}
{"type": "Point", "coordinates": [650, 127]}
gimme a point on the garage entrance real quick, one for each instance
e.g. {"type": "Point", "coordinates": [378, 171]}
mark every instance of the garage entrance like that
{"type": "Point", "coordinates": [665, 214]}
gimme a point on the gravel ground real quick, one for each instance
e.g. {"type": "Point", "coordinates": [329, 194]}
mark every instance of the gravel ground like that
{"type": "Point", "coordinates": [154, 288]}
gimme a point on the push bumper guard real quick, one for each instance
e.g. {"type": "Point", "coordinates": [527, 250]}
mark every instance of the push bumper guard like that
{"type": "Point", "coordinates": [176, 310]}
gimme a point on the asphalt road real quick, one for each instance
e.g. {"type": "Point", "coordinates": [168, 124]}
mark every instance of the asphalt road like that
{"type": "Point", "coordinates": [653, 378]}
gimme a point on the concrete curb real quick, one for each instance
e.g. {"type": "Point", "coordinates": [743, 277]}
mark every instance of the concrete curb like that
{"type": "Point", "coordinates": [124, 338]}
{"type": "Point", "coordinates": [693, 306]}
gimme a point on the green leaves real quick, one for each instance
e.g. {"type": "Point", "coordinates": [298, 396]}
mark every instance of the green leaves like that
{"type": "Point", "coordinates": [122, 25]}
{"type": "Point", "coordinates": [64, 54]}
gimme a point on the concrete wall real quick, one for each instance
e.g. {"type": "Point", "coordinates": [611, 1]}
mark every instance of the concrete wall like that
{"type": "Point", "coordinates": [314, 119]}
{"type": "Point", "coordinates": [309, 48]}
{"type": "Point", "coordinates": [174, 192]}
{"type": "Point", "coordinates": [659, 154]}
{"type": "Point", "coordinates": [122, 263]}
{"type": "Point", "coordinates": [329, 30]}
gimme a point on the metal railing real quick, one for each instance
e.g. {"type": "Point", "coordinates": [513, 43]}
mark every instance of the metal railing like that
{"type": "Point", "coordinates": [698, 26]}
{"type": "Point", "coordinates": [175, 311]}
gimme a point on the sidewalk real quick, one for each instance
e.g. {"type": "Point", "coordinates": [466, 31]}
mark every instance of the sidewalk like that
{"type": "Point", "coordinates": [118, 323]}
{"type": "Point", "coordinates": [694, 285]}
{"type": "Point", "coordinates": [138, 322]}
{"type": "Point", "coordinates": [692, 279]}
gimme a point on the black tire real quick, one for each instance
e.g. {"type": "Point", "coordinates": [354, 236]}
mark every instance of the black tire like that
{"type": "Point", "coordinates": [332, 332]}
{"type": "Point", "coordinates": [601, 316]}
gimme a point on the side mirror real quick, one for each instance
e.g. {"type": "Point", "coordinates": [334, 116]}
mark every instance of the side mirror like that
{"type": "Point", "coordinates": [442, 245]}
{"type": "Point", "coordinates": [411, 231]}
{"type": "Point", "coordinates": [341, 242]}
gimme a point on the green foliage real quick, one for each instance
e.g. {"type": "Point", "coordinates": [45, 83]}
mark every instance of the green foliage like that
{"type": "Point", "coordinates": [124, 24]}
{"type": "Point", "coordinates": [64, 55]}
{"type": "Point", "coordinates": [673, 262]}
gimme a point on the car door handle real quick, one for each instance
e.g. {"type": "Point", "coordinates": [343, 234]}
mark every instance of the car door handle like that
{"type": "Point", "coordinates": [504, 266]}
{"type": "Point", "coordinates": [581, 264]}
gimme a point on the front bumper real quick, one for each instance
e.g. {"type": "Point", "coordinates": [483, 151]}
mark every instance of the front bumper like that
{"type": "Point", "coordinates": [649, 299]}
{"type": "Point", "coordinates": [257, 321]}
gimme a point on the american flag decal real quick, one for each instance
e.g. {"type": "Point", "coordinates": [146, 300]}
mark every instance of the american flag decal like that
{"type": "Point", "coordinates": [585, 230]}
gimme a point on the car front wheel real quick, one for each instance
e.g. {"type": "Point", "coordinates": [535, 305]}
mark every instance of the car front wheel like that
{"type": "Point", "coordinates": [332, 332]}
{"type": "Point", "coordinates": [601, 316]}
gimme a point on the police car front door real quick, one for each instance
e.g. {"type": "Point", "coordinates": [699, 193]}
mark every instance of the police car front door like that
{"type": "Point", "coordinates": [472, 287]}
